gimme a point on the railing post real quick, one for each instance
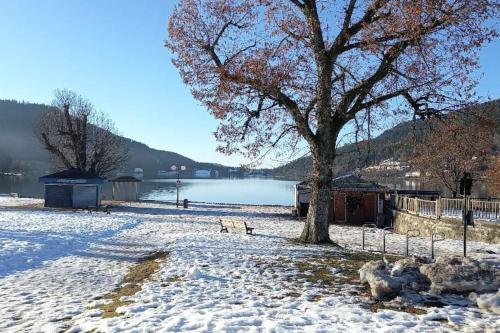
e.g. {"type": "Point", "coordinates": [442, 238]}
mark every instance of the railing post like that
{"type": "Point", "coordinates": [363, 230]}
{"type": "Point", "coordinates": [410, 235]}
{"type": "Point", "coordinates": [433, 240]}
{"type": "Point", "coordinates": [388, 230]}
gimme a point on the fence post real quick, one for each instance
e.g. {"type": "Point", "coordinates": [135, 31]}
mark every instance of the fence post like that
{"type": "Point", "coordinates": [410, 234]}
{"type": "Point", "coordinates": [387, 230]}
{"type": "Point", "coordinates": [363, 230]}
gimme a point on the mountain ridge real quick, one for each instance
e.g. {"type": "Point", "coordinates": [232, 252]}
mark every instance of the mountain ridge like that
{"type": "Point", "coordinates": [390, 144]}
{"type": "Point", "coordinates": [20, 147]}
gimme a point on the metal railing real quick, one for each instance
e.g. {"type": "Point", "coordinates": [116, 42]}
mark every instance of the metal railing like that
{"type": "Point", "coordinates": [427, 208]}
{"type": "Point", "coordinates": [448, 207]}
{"type": "Point", "coordinates": [411, 233]}
{"type": "Point", "coordinates": [436, 237]}
{"type": "Point", "coordinates": [487, 210]}
{"type": "Point", "coordinates": [369, 226]}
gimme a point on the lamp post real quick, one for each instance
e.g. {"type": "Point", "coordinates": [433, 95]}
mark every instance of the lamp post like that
{"type": "Point", "coordinates": [178, 168]}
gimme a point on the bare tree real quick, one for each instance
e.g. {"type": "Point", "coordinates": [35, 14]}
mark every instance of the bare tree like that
{"type": "Point", "coordinates": [461, 144]}
{"type": "Point", "coordinates": [79, 137]}
{"type": "Point", "coordinates": [281, 72]}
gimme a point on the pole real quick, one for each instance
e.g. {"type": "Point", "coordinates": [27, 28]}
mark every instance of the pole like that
{"type": "Point", "coordinates": [177, 186]}
{"type": "Point", "coordinates": [464, 217]}
{"type": "Point", "coordinates": [432, 246]}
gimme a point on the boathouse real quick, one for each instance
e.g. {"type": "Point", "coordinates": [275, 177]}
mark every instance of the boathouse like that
{"type": "Point", "coordinates": [354, 200]}
{"type": "Point", "coordinates": [72, 189]}
{"type": "Point", "coordinates": [126, 188]}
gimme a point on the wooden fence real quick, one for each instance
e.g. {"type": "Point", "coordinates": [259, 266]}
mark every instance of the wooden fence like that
{"type": "Point", "coordinates": [447, 207]}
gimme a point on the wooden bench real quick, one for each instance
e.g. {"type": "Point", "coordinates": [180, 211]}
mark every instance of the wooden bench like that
{"type": "Point", "coordinates": [235, 224]}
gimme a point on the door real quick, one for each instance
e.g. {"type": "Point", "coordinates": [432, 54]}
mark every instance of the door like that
{"type": "Point", "coordinates": [339, 207]}
{"type": "Point", "coordinates": [85, 196]}
{"type": "Point", "coordinates": [369, 202]}
{"type": "Point", "coordinates": [58, 196]}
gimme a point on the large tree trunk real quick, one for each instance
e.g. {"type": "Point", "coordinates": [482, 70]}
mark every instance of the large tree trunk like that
{"type": "Point", "coordinates": [317, 224]}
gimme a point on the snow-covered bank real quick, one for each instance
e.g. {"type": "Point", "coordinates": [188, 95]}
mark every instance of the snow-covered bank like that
{"type": "Point", "coordinates": [209, 282]}
{"type": "Point", "coordinates": [8, 201]}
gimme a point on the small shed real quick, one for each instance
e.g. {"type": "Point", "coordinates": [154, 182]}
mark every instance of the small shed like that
{"type": "Point", "coordinates": [72, 189]}
{"type": "Point", "coordinates": [354, 200]}
{"type": "Point", "coordinates": [126, 188]}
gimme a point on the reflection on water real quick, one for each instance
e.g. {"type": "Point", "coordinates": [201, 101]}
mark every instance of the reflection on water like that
{"type": "Point", "coordinates": [244, 191]}
{"type": "Point", "coordinates": [239, 191]}
{"type": "Point", "coordinates": [24, 186]}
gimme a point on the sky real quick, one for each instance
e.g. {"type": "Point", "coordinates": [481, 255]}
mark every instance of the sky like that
{"type": "Point", "coordinates": [111, 51]}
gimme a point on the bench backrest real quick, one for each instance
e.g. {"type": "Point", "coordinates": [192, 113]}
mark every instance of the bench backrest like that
{"type": "Point", "coordinates": [237, 224]}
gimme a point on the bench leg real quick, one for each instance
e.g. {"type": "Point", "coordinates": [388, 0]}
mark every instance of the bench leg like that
{"type": "Point", "coordinates": [224, 229]}
{"type": "Point", "coordinates": [249, 231]}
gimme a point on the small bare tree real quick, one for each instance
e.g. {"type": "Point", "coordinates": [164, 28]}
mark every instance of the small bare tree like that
{"type": "Point", "coordinates": [453, 147]}
{"type": "Point", "coordinates": [79, 137]}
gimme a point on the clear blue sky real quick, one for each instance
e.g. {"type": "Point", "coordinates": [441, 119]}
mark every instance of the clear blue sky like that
{"type": "Point", "coordinates": [111, 51]}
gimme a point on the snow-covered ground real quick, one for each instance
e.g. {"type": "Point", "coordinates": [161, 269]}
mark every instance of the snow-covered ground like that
{"type": "Point", "coordinates": [8, 201]}
{"type": "Point", "coordinates": [54, 266]}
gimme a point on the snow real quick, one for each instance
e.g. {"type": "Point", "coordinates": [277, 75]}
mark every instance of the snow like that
{"type": "Point", "coordinates": [8, 201]}
{"type": "Point", "coordinates": [54, 266]}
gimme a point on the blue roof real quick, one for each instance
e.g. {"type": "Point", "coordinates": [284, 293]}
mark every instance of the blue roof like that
{"type": "Point", "coordinates": [71, 176]}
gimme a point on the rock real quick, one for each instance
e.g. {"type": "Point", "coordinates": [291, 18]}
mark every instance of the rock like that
{"type": "Point", "coordinates": [408, 272]}
{"type": "Point", "coordinates": [194, 273]}
{"type": "Point", "coordinates": [382, 284]}
{"type": "Point", "coordinates": [490, 302]}
{"type": "Point", "coordinates": [458, 274]}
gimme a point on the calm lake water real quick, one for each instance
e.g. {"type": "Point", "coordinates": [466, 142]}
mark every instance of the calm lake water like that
{"type": "Point", "coordinates": [266, 191]}
{"type": "Point", "coordinates": [240, 191]}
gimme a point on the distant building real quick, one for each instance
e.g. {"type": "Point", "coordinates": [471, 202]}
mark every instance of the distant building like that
{"type": "Point", "coordinates": [126, 188]}
{"type": "Point", "coordinates": [203, 173]}
{"type": "Point", "coordinates": [388, 165]}
{"type": "Point", "coordinates": [72, 189]}
{"type": "Point", "coordinates": [167, 174]}
{"type": "Point", "coordinates": [138, 173]}
{"type": "Point", "coordinates": [353, 200]}
{"type": "Point", "coordinates": [413, 174]}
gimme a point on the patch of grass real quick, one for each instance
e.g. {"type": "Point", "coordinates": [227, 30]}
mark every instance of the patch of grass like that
{"type": "Point", "coordinates": [315, 271]}
{"type": "Point", "coordinates": [408, 309]}
{"type": "Point", "coordinates": [132, 283]}
{"type": "Point", "coordinates": [319, 269]}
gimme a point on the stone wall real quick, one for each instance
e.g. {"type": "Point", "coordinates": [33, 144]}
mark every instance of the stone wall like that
{"type": "Point", "coordinates": [483, 231]}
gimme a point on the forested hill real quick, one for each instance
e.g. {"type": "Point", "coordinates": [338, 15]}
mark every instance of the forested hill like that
{"type": "Point", "coordinates": [20, 150]}
{"type": "Point", "coordinates": [395, 143]}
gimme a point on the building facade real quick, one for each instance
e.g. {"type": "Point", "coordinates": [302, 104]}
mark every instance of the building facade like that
{"type": "Point", "coordinates": [72, 189]}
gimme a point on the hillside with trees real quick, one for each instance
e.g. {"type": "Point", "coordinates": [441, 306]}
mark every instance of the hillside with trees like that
{"type": "Point", "coordinates": [20, 150]}
{"type": "Point", "coordinates": [396, 143]}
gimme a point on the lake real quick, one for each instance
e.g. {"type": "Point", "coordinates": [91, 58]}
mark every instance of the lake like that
{"type": "Point", "coordinates": [256, 191]}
